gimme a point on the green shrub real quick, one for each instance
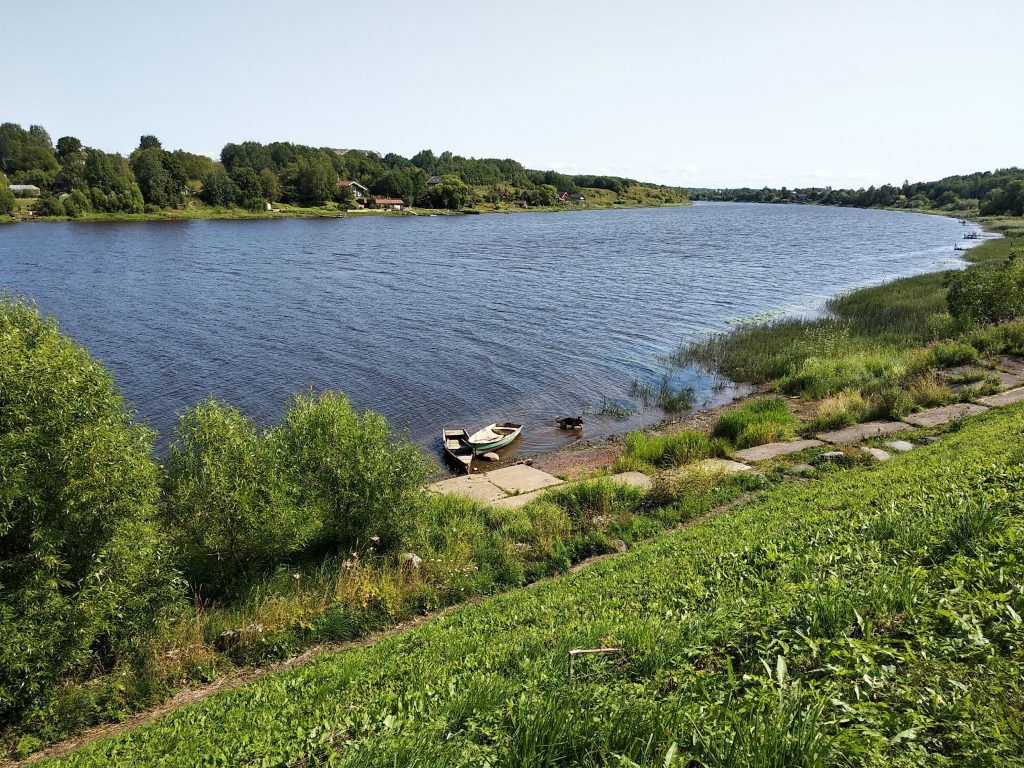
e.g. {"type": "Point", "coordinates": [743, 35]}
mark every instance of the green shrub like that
{"type": "Point", "coordinates": [228, 499]}
{"type": "Point", "coordinates": [949, 354]}
{"type": "Point", "coordinates": [757, 422]}
{"type": "Point", "coordinates": [929, 390]}
{"type": "Point", "coordinates": [819, 377]}
{"type": "Point", "coordinates": [83, 574]}
{"type": "Point", "coordinates": [985, 294]}
{"type": "Point", "coordinates": [359, 478]}
{"type": "Point", "coordinates": [892, 403]}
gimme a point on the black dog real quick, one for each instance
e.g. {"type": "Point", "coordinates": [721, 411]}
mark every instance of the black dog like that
{"type": "Point", "coordinates": [571, 422]}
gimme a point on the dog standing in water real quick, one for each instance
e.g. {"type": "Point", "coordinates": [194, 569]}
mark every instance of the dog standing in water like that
{"type": "Point", "coordinates": [571, 422]}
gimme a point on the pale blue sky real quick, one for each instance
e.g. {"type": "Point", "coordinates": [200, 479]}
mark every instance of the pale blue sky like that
{"type": "Point", "coordinates": [699, 94]}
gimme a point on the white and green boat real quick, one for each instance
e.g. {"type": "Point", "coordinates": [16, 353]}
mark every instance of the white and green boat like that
{"type": "Point", "coordinates": [494, 436]}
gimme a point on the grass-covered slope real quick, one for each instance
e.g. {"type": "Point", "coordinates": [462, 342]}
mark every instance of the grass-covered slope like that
{"type": "Point", "coordinates": [869, 618]}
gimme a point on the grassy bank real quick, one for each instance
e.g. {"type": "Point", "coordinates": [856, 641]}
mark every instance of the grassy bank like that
{"type": "Point", "coordinates": [597, 199]}
{"type": "Point", "coordinates": [877, 341]}
{"type": "Point", "coordinates": [870, 619]}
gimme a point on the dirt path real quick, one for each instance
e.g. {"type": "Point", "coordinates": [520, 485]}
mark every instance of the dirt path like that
{"type": "Point", "coordinates": [246, 676]}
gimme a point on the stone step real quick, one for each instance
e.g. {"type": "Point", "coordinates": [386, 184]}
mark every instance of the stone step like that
{"type": "Point", "coordinates": [1003, 398]}
{"type": "Point", "coordinates": [900, 446]}
{"type": "Point", "coordinates": [859, 432]}
{"type": "Point", "coordinates": [521, 478]}
{"type": "Point", "coordinates": [721, 465]}
{"type": "Point", "coordinates": [474, 486]}
{"type": "Point", "coordinates": [635, 479]}
{"type": "Point", "coordinates": [933, 417]}
{"type": "Point", "coordinates": [877, 454]}
{"type": "Point", "coordinates": [774, 450]}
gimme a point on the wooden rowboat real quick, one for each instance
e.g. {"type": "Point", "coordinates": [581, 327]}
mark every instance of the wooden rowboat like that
{"type": "Point", "coordinates": [494, 436]}
{"type": "Point", "coordinates": [456, 449]}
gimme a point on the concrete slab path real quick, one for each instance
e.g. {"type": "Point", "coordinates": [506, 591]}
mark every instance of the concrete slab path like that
{"type": "Point", "coordinates": [474, 486]}
{"type": "Point", "coordinates": [1003, 398]}
{"type": "Point", "coordinates": [859, 432]}
{"type": "Point", "coordinates": [1014, 365]}
{"type": "Point", "coordinates": [877, 453]}
{"type": "Point", "coordinates": [635, 479]}
{"type": "Point", "coordinates": [933, 417]}
{"type": "Point", "coordinates": [521, 478]}
{"type": "Point", "coordinates": [720, 465]}
{"type": "Point", "coordinates": [774, 450]}
{"type": "Point", "coordinates": [901, 446]}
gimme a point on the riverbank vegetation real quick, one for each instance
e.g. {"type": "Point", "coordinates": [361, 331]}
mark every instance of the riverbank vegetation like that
{"type": "Point", "coordinates": [875, 353]}
{"type": "Point", "coordinates": [988, 193]}
{"type": "Point", "coordinates": [251, 179]}
{"type": "Point", "coordinates": [870, 618]}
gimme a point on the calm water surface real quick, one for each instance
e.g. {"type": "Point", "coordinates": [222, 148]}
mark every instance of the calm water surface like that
{"type": "Point", "coordinates": [445, 321]}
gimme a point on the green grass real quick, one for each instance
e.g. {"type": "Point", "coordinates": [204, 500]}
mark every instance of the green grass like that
{"type": "Point", "coordinates": [872, 618]}
{"type": "Point", "coordinates": [757, 422]}
{"type": "Point", "coordinates": [648, 452]}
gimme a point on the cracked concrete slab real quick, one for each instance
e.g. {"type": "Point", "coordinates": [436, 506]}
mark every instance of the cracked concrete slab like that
{"type": "Point", "coordinates": [774, 450]}
{"type": "Point", "coordinates": [933, 417]}
{"type": "Point", "coordinates": [474, 486]}
{"type": "Point", "coordinates": [1003, 398]}
{"type": "Point", "coordinates": [522, 479]}
{"type": "Point", "coordinates": [859, 432]}
{"type": "Point", "coordinates": [635, 479]}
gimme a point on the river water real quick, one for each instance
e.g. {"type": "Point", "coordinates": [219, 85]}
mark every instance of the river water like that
{"type": "Point", "coordinates": [446, 321]}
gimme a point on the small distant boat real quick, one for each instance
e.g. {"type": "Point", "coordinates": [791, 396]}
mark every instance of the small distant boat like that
{"type": "Point", "coordinates": [457, 449]}
{"type": "Point", "coordinates": [494, 436]}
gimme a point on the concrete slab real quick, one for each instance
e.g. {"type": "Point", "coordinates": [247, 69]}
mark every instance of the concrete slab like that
{"type": "Point", "coordinates": [521, 478]}
{"type": "Point", "coordinates": [774, 450]}
{"type": "Point", "coordinates": [1003, 377]}
{"type": "Point", "coordinates": [933, 417]}
{"type": "Point", "coordinates": [515, 502]}
{"type": "Point", "coordinates": [877, 453]}
{"type": "Point", "coordinates": [1014, 365]}
{"type": "Point", "coordinates": [900, 446]}
{"type": "Point", "coordinates": [859, 432]}
{"type": "Point", "coordinates": [474, 486]}
{"type": "Point", "coordinates": [722, 465]}
{"type": "Point", "coordinates": [636, 479]}
{"type": "Point", "coordinates": [1003, 398]}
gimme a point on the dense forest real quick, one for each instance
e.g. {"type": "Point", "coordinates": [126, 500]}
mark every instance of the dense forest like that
{"type": "Point", "coordinates": [74, 179]}
{"type": "Point", "coordinates": [990, 193]}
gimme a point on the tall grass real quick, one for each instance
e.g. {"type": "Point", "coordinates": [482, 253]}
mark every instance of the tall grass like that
{"type": "Point", "coordinates": [647, 452]}
{"type": "Point", "coordinates": [757, 422]}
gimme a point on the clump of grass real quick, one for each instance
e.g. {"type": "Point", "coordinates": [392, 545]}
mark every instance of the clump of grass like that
{"type": "Point", "coordinates": [820, 377]}
{"type": "Point", "coordinates": [674, 400]}
{"type": "Point", "coordinates": [947, 354]}
{"type": "Point", "coordinates": [891, 403]}
{"type": "Point", "coordinates": [644, 393]}
{"type": "Point", "coordinates": [646, 452]}
{"type": "Point", "coordinates": [757, 422]}
{"type": "Point", "coordinates": [842, 410]}
{"type": "Point", "coordinates": [929, 390]}
{"type": "Point", "coordinates": [614, 409]}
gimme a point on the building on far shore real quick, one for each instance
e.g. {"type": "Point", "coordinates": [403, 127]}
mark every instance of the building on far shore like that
{"type": "Point", "coordinates": [390, 203]}
{"type": "Point", "coordinates": [61, 184]}
{"type": "Point", "coordinates": [435, 179]}
{"type": "Point", "coordinates": [576, 197]}
{"type": "Point", "coordinates": [25, 190]}
{"type": "Point", "coordinates": [358, 190]}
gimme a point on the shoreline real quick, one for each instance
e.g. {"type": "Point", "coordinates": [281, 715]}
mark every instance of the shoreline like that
{"type": "Point", "coordinates": [314, 213]}
{"type": "Point", "coordinates": [587, 457]}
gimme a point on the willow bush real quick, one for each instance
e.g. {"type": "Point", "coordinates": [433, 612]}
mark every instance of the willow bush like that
{"type": "Point", "coordinates": [83, 572]}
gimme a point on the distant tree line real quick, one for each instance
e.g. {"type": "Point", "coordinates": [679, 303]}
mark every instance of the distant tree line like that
{"type": "Point", "coordinates": [76, 179]}
{"type": "Point", "coordinates": [992, 193]}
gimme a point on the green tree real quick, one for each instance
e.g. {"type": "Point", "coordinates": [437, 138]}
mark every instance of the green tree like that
{"type": "Point", "coordinates": [363, 480]}
{"type": "Point", "coordinates": [155, 181]}
{"type": "Point", "coordinates": [6, 197]}
{"type": "Point", "coordinates": [451, 193]}
{"type": "Point", "coordinates": [228, 505]}
{"type": "Point", "coordinates": [219, 190]}
{"type": "Point", "coordinates": [250, 189]}
{"type": "Point", "coordinates": [271, 184]}
{"type": "Point", "coordinates": [316, 180]}
{"type": "Point", "coordinates": [67, 145]}
{"type": "Point", "coordinates": [149, 142]}
{"type": "Point", "coordinates": [83, 571]}
{"type": "Point", "coordinates": [545, 194]}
